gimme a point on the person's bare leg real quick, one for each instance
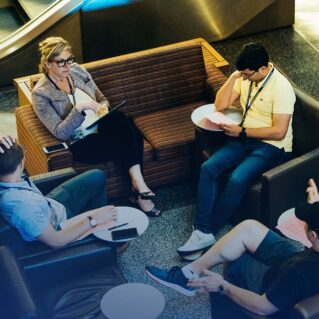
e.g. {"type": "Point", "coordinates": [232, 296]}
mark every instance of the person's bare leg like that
{"type": "Point", "coordinates": [140, 186]}
{"type": "Point", "coordinates": [246, 236]}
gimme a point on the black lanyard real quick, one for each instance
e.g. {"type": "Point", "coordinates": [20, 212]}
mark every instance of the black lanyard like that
{"type": "Point", "coordinates": [70, 88]}
{"type": "Point", "coordinates": [249, 104]}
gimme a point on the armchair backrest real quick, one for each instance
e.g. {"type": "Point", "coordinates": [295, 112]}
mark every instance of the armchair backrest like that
{"type": "Point", "coordinates": [16, 300]}
{"type": "Point", "coordinates": [305, 123]}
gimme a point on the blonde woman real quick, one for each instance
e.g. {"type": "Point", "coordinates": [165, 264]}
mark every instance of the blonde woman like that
{"type": "Point", "coordinates": [66, 96]}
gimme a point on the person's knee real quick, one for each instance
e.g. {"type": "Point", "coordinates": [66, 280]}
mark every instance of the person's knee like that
{"type": "Point", "coordinates": [251, 228]}
{"type": "Point", "coordinates": [235, 182]}
{"type": "Point", "coordinates": [97, 177]}
{"type": "Point", "coordinates": [209, 168]}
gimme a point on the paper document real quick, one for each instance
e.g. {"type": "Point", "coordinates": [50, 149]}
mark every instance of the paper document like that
{"type": "Point", "coordinates": [219, 117]}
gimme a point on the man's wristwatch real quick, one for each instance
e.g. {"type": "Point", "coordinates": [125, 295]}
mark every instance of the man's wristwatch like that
{"type": "Point", "coordinates": [92, 221]}
{"type": "Point", "coordinates": [221, 288]}
{"type": "Point", "coordinates": [243, 133]}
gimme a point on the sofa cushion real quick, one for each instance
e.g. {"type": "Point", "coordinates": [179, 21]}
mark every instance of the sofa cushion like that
{"type": "Point", "coordinates": [170, 131]}
{"type": "Point", "coordinates": [158, 80]}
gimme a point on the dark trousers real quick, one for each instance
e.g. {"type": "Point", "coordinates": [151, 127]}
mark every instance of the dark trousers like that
{"type": "Point", "coordinates": [117, 139]}
{"type": "Point", "coordinates": [84, 192]}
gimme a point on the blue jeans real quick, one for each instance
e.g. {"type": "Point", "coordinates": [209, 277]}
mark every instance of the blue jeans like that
{"type": "Point", "coordinates": [249, 158]}
{"type": "Point", "coordinates": [81, 193]}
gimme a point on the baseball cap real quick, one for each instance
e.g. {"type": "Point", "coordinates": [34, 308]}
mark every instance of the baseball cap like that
{"type": "Point", "coordinates": [309, 213]}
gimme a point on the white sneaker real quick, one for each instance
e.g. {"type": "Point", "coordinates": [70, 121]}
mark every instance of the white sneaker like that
{"type": "Point", "coordinates": [196, 242]}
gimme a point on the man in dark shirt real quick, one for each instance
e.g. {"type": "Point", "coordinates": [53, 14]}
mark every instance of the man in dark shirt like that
{"type": "Point", "coordinates": [266, 273]}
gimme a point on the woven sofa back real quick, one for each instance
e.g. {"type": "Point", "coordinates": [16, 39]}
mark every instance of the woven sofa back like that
{"type": "Point", "coordinates": [153, 81]}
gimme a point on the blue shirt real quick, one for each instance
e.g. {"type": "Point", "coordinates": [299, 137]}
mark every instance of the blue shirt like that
{"type": "Point", "coordinates": [24, 206]}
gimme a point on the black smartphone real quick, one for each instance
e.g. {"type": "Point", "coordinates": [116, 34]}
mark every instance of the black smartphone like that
{"type": "Point", "coordinates": [55, 148]}
{"type": "Point", "coordinates": [124, 233]}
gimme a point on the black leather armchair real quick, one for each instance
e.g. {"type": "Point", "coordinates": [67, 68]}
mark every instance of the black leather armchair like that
{"type": "Point", "coordinates": [283, 186]}
{"type": "Point", "coordinates": [33, 255]}
{"type": "Point", "coordinates": [71, 289]}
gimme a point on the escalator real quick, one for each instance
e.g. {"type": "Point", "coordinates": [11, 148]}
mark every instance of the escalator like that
{"type": "Point", "coordinates": [103, 28]}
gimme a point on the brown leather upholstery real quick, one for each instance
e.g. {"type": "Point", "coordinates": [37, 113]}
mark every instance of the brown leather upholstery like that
{"type": "Point", "coordinates": [162, 86]}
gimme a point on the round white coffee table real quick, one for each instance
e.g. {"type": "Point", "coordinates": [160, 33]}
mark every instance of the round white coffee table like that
{"type": "Point", "coordinates": [292, 227]}
{"type": "Point", "coordinates": [132, 300]}
{"type": "Point", "coordinates": [130, 216]}
{"type": "Point", "coordinates": [199, 116]}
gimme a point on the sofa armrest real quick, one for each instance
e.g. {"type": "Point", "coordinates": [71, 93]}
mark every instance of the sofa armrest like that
{"type": "Point", "coordinates": [16, 300]}
{"type": "Point", "coordinates": [306, 309]}
{"type": "Point", "coordinates": [62, 263]}
{"type": "Point", "coordinates": [48, 181]}
{"type": "Point", "coordinates": [284, 186]}
{"type": "Point", "coordinates": [33, 136]}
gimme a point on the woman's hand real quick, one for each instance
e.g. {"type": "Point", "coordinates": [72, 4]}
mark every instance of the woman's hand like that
{"type": "Point", "coordinates": [209, 283]}
{"type": "Point", "coordinates": [91, 105]}
{"type": "Point", "coordinates": [105, 214]}
{"type": "Point", "coordinates": [102, 110]}
{"type": "Point", "coordinates": [7, 141]}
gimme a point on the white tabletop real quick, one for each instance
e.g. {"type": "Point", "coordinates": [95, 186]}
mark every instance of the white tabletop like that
{"type": "Point", "coordinates": [130, 215]}
{"type": "Point", "coordinates": [292, 227]}
{"type": "Point", "coordinates": [132, 300]}
{"type": "Point", "coordinates": [199, 116]}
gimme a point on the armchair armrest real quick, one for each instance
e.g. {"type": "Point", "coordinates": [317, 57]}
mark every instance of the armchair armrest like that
{"type": "Point", "coordinates": [16, 300]}
{"type": "Point", "coordinates": [62, 263]}
{"type": "Point", "coordinates": [48, 181]}
{"type": "Point", "coordinates": [33, 136]}
{"type": "Point", "coordinates": [306, 309]}
{"type": "Point", "coordinates": [284, 186]}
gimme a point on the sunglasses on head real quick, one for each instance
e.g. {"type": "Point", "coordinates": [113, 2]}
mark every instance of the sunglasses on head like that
{"type": "Point", "coordinates": [61, 63]}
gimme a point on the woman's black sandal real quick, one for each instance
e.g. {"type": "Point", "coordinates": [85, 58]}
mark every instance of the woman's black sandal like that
{"type": "Point", "coordinates": [154, 212]}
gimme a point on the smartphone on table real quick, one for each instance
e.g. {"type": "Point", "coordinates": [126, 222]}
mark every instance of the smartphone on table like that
{"type": "Point", "coordinates": [124, 233]}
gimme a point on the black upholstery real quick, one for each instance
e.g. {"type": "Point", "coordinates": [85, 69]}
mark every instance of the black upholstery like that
{"type": "Point", "coordinates": [72, 291]}
{"type": "Point", "coordinates": [283, 186]}
{"type": "Point", "coordinates": [33, 255]}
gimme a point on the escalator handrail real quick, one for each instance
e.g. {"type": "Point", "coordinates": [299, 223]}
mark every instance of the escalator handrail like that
{"type": "Point", "coordinates": [32, 29]}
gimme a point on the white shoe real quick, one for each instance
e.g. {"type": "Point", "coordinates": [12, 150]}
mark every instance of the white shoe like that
{"type": "Point", "coordinates": [196, 242]}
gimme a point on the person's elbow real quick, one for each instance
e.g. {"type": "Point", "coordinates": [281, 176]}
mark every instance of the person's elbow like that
{"type": "Point", "coordinates": [266, 308]}
{"type": "Point", "coordinates": [52, 238]}
{"type": "Point", "coordinates": [279, 134]}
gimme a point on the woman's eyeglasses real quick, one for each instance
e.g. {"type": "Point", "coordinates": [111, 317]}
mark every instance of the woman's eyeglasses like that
{"type": "Point", "coordinates": [61, 63]}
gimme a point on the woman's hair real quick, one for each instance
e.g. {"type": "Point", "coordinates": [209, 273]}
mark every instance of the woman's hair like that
{"type": "Point", "coordinates": [10, 159]}
{"type": "Point", "coordinates": [252, 56]}
{"type": "Point", "coordinates": [49, 49]}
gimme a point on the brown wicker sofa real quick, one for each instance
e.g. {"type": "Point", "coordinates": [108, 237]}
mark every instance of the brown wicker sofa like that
{"type": "Point", "coordinates": [162, 86]}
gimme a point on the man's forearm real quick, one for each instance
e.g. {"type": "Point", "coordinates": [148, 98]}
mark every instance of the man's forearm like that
{"type": "Point", "coordinates": [223, 96]}
{"type": "Point", "coordinates": [249, 300]}
{"type": "Point", "coordinates": [266, 133]}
